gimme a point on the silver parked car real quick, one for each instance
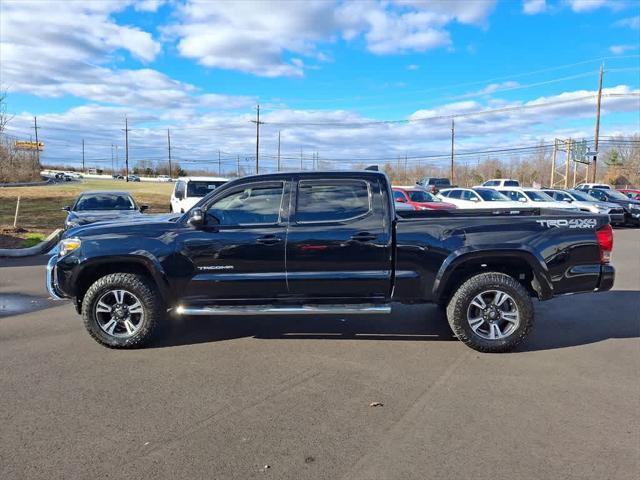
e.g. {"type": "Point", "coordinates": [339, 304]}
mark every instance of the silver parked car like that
{"type": "Point", "coordinates": [587, 203]}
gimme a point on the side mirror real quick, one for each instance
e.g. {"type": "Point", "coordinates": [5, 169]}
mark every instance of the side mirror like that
{"type": "Point", "coordinates": [144, 208]}
{"type": "Point", "coordinates": [522, 200]}
{"type": "Point", "coordinates": [401, 200]}
{"type": "Point", "coordinates": [66, 209]}
{"type": "Point", "coordinates": [568, 200]}
{"type": "Point", "coordinates": [475, 199]}
{"type": "Point", "coordinates": [179, 195]}
{"type": "Point", "coordinates": [196, 217]}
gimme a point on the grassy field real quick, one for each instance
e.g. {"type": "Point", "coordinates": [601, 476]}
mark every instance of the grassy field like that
{"type": "Point", "coordinates": [41, 207]}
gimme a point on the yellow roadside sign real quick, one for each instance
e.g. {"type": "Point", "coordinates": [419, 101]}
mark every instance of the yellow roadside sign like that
{"type": "Point", "coordinates": [29, 145]}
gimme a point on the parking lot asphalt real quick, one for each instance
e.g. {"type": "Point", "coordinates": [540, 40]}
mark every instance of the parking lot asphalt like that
{"type": "Point", "coordinates": [289, 398]}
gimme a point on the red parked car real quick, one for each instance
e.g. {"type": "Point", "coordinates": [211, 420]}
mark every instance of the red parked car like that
{"type": "Point", "coordinates": [633, 193]}
{"type": "Point", "coordinates": [420, 199]}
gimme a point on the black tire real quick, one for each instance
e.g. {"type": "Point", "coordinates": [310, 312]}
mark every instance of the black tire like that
{"type": "Point", "coordinates": [137, 286]}
{"type": "Point", "coordinates": [461, 303]}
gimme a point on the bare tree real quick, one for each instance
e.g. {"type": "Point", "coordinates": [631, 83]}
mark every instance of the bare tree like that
{"type": "Point", "coordinates": [5, 118]}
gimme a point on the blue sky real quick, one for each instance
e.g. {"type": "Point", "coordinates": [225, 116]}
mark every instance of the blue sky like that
{"type": "Point", "coordinates": [324, 72]}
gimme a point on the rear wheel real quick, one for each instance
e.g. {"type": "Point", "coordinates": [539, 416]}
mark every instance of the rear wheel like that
{"type": "Point", "coordinates": [122, 310]}
{"type": "Point", "coordinates": [491, 312]}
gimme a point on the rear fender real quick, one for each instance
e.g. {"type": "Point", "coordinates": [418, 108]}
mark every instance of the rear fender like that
{"type": "Point", "coordinates": [472, 254]}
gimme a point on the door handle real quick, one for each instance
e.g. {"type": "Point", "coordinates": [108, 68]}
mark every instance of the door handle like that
{"type": "Point", "coordinates": [363, 237]}
{"type": "Point", "coordinates": [269, 240]}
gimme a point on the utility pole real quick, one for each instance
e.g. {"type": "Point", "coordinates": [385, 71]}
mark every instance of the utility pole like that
{"type": "Point", "coordinates": [83, 156]}
{"type": "Point", "coordinates": [453, 133]}
{"type": "Point", "coordinates": [238, 167]}
{"type": "Point", "coordinates": [126, 149]}
{"type": "Point", "coordinates": [301, 158]}
{"type": "Point", "coordinates": [117, 157]}
{"type": "Point", "coordinates": [258, 123]}
{"type": "Point", "coordinates": [112, 170]}
{"type": "Point", "coordinates": [169, 146]}
{"type": "Point", "coordinates": [35, 127]}
{"type": "Point", "coordinates": [553, 162]}
{"type": "Point", "coordinates": [597, 134]}
{"type": "Point", "coordinates": [219, 164]}
{"type": "Point", "coordinates": [566, 167]}
{"type": "Point", "coordinates": [278, 150]}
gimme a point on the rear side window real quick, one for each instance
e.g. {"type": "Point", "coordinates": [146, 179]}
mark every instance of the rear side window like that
{"type": "Point", "coordinates": [511, 183]}
{"type": "Point", "coordinates": [491, 183]}
{"type": "Point", "coordinates": [513, 195]}
{"type": "Point", "coordinates": [455, 194]}
{"type": "Point", "coordinates": [332, 200]}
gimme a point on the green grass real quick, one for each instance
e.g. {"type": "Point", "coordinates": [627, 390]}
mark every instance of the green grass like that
{"type": "Point", "coordinates": [41, 207]}
{"type": "Point", "coordinates": [31, 239]}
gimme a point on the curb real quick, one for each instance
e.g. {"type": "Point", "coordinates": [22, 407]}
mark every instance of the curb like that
{"type": "Point", "coordinates": [35, 250]}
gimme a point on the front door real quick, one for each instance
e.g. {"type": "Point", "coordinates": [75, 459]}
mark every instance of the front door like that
{"type": "Point", "coordinates": [239, 253]}
{"type": "Point", "coordinates": [338, 241]}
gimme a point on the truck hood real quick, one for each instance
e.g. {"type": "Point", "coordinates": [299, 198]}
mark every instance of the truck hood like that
{"type": "Point", "coordinates": [92, 216]}
{"type": "Point", "coordinates": [128, 225]}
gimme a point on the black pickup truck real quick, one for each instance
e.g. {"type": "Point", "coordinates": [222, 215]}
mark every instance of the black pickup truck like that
{"type": "Point", "coordinates": [328, 243]}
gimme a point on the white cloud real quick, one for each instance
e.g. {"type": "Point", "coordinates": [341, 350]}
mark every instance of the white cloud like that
{"type": "Point", "coordinates": [580, 6]}
{"type": "Point", "coordinates": [532, 7]}
{"type": "Point", "coordinates": [148, 5]}
{"type": "Point", "coordinates": [621, 49]}
{"type": "Point", "coordinates": [68, 50]}
{"type": "Point", "coordinates": [413, 66]}
{"type": "Point", "coordinates": [260, 37]}
{"type": "Point", "coordinates": [334, 133]}
{"type": "Point", "coordinates": [629, 22]}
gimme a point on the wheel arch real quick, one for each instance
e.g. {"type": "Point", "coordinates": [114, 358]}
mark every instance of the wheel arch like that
{"type": "Point", "coordinates": [522, 264]}
{"type": "Point", "coordinates": [93, 269]}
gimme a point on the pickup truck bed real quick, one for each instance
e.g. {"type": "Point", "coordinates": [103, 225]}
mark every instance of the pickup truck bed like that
{"type": "Point", "coordinates": [329, 242]}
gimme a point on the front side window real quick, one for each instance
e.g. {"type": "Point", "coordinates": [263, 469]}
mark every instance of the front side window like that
{"type": "Point", "coordinates": [247, 205]}
{"type": "Point", "coordinates": [332, 200]}
{"type": "Point", "coordinates": [598, 194]}
{"type": "Point", "coordinates": [397, 195]}
{"type": "Point", "coordinates": [420, 196]}
{"type": "Point", "coordinates": [511, 183]}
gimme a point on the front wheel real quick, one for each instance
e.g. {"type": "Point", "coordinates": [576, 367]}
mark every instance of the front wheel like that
{"type": "Point", "coordinates": [491, 312]}
{"type": "Point", "coordinates": [122, 310]}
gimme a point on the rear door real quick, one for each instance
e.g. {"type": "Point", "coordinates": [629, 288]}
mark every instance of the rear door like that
{"type": "Point", "coordinates": [339, 240]}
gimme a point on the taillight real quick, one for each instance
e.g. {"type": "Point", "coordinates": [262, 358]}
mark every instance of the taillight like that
{"type": "Point", "coordinates": [605, 242]}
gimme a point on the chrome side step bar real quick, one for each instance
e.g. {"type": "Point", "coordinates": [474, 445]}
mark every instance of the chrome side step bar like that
{"type": "Point", "coordinates": [286, 310]}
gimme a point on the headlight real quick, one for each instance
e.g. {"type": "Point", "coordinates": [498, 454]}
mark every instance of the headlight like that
{"type": "Point", "coordinates": [68, 245]}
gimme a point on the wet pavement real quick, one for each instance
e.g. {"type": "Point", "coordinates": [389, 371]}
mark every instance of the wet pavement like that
{"type": "Point", "coordinates": [18, 303]}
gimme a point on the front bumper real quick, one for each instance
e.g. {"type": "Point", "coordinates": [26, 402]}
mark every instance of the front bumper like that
{"type": "Point", "coordinates": [52, 279]}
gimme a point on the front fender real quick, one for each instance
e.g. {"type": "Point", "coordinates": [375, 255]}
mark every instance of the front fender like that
{"type": "Point", "coordinates": [458, 258]}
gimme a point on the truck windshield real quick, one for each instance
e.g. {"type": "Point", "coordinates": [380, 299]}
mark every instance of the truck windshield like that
{"type": "Point", "coordinates": [201, 188]}
{"type": "Point", "coordinates": [104, 202]}
{"type": "Point", "coordinates": [421, 196]}
{"type": "Point", "coordinates": [489, 195]}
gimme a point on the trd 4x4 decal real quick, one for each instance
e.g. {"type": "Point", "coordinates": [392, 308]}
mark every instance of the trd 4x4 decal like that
{"type": "Point", "coordinates": [571, 223]}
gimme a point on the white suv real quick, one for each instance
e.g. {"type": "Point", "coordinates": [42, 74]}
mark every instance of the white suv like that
{"type": "Point", "coordinates": [501, 182]}
{"type": "Point", "coordinates": [189, 190]}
